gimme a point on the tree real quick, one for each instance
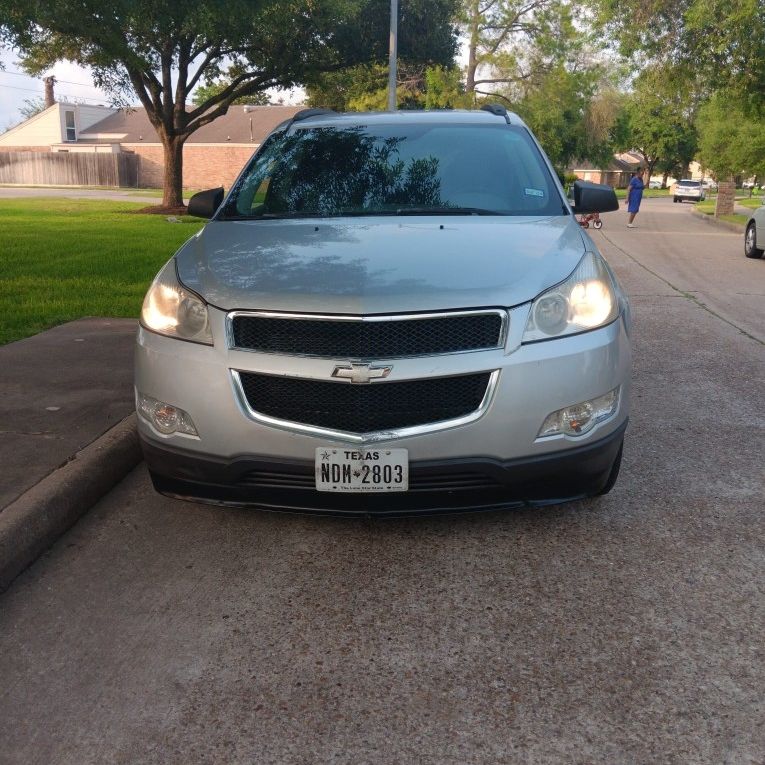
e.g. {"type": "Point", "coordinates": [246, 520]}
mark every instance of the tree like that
{"type": "Point", "coordinates": [365, 88]}
{"type": "Point", "coordinates": [212, 88]}
{"type": "Point", "coordinates": [730, 143]}
{"type": "Point", "coordinates": [724, 40]}
{"type": "Point", "coordinates": [161, 50]}
{"type": "Point", "coordinates": [32, 106]}
{"type": "Point", "coordinates": [575, 115]}
{"type": "Point", "coordinates": [662, 116]}
{"type": "Point", "coordinates": [509, 41]}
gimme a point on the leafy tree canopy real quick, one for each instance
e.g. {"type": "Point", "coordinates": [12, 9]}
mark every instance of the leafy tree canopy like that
{"type": "Point", "coordinates": [160, 50]}
{"type": "Point", "coordinates": [729, 142]}
{"type": "Point", "coordinates": [212, 88]}
{"type": "Point", "coordinates": [662, 119]}
{"type": "Point", "coordinates": [724, 39]}
{"type": "Point", "coordinates": [365, 88]}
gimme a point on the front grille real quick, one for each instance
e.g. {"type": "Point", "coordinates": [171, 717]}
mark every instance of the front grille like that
{"type": "Point", "coordinates": [364, 339]}
{"type": "Point", "coordinates": [364, 408]}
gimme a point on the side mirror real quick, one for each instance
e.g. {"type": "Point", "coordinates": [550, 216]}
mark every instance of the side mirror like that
{"type": "Point", "coordinates": [592, 197]}
{"type": "Point", "coordinates": [205, 203]}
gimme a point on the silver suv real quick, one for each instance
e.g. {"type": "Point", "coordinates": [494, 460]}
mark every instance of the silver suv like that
{"type": "Point", "coordinates": [388, 313]}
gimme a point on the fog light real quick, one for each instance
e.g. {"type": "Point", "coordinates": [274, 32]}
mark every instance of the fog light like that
{"type": "Point", "coordinates": [580, 418]}
{"type": "Point", "coordinates": [166, 418]}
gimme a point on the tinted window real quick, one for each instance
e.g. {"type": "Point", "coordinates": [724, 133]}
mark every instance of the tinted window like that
{"type": "Point", "coordinates": [395, 169]}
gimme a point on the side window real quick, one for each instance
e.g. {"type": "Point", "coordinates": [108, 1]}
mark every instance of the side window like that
{"type": "Point", "coordinates": [71, 132]}
{"type": "Point", "coordinates": [532, 189]}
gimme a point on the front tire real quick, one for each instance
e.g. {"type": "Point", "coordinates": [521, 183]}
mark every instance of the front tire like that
{"type": "Point", "coordinates": [675, 200]}
{"type": "Point", "coordinates": [597, 224]}
{"type": "Point", "coordinates": [751, 250]}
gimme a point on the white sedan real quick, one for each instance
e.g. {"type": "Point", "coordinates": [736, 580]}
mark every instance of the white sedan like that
{"type": "Point", "coordinates": [754, 238]}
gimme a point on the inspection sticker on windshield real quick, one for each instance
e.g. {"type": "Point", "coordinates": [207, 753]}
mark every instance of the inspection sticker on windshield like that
{"type": "Point", "coordinates": [362, 470]}
{"type": "Point", "coordinates": [534, 192]}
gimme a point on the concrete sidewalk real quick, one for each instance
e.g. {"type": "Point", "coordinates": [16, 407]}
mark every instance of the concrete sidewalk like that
{"type": "Point", "coordinates": [105, 195]}
{"type": "Point", "coordinates": [59, 391]}
{"type": "Point", "coordinates": [67, 432]}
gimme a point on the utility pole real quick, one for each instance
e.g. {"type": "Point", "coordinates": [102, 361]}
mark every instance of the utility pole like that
{"type": "Point", "coordinates": [393, 56]}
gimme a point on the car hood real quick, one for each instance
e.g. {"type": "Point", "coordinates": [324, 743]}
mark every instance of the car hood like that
{"type": "Point", "coordinates": [379, 265]}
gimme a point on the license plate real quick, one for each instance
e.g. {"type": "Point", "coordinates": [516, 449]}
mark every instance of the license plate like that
{"type": "Point", "coordinates": [362, 470]}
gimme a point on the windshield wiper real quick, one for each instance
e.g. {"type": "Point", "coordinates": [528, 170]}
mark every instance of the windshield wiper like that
{"type": "Point", "coordinates": [365, 213]}
{"type": "Point", "coordinates": [274, 216]}
{"type": "Point", "coordinates": [446, 211]}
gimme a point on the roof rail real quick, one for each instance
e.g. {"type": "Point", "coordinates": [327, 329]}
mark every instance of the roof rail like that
{"type": "Point", "coordinates": [496, 109]}
{"type": "Point", "coordinates": [305, 114]}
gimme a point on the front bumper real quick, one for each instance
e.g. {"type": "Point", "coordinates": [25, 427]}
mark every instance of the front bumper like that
{"type": "Point", "coordinates": [502, 461]}
{"type": "Point", "coordinates": [436, 486]}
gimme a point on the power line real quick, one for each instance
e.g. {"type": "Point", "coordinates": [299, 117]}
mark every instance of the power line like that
{"type": "Point", "coordinates": [29, 90]}
{"type": "Point", "coordinates": [62, 95]}
{"type": "Point", "coordinates": [67, 82]}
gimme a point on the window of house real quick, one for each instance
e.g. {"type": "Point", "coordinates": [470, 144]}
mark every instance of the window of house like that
{"type": "Point", "coordinates": [71, 133]}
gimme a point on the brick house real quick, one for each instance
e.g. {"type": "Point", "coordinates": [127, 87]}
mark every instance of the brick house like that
{"type": "Point", "coordinates": [616, 173]}
{"type": "Point", "coordinates": [212, 156]}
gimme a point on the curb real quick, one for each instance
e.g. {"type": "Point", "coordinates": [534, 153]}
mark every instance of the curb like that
{"type": "Point", "coordinates": [36, 519]}
{"type": "Point", "coordinates": [738, 228]}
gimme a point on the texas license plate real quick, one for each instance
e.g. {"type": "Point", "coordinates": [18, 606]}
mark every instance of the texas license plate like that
{"type": "Point", "coordinates": [370, 470]}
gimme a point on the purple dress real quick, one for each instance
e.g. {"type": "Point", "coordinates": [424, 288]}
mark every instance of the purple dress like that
{"type": "Point", "coordinates": [635, 194]}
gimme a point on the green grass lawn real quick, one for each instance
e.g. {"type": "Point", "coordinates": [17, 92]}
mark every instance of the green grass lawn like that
{"type": "Point", "coordinates": [647, 193]}
{"type": "Point", "coordinates": [708, 208]}
{"type": "Point", "coordinates": [752, 203]}
{"type": "Point", "coordinates": [62, 259]}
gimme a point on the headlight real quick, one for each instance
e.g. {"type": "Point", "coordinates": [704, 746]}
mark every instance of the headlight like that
{"type": "Point", "coordinates": [172, 310]}
{"type": "Point", "coordinates": [586, 300]}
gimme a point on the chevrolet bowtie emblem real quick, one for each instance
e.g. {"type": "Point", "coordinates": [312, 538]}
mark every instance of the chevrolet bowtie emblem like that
{"type": "Point", "coordinates": [360, 373]}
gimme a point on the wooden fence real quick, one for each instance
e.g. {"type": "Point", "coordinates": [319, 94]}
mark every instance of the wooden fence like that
{"type": "Point", "coordinates": [42, 168]}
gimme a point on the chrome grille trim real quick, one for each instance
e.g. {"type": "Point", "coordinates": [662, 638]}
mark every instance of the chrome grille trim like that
{"type": "Point", "coordinates": [501, 340]}
{"type": "Point", "coordinates": [362, 438]}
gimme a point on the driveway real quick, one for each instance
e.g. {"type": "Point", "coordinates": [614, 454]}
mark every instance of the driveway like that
{"type": "Point", "coordinates": [626, 629]}
{"type": "Point", "coordinates": [693, 257]}
{"type": "Point", "coordinates": [114, 195]}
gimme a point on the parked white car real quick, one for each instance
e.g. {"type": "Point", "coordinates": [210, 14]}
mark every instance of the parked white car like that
{"type": "Point", "coordinates": [754, 236]}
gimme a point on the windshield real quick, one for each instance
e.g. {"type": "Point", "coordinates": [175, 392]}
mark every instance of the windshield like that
{"type": "Point", "coordinates": [690, 183]}
{"type": "Point", "coordinates": [404, 169]}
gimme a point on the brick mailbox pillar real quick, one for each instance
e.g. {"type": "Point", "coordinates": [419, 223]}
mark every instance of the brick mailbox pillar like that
{"type": "Point", "coordinates": [726, 195]}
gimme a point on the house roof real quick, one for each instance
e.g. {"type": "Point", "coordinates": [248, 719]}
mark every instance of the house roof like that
{"type": "Point", "coordinates": [47, 126]}
{"type": "Point", "coordinates": [240, 124]}
{"type": "Point", "coordinates": [620, 163]}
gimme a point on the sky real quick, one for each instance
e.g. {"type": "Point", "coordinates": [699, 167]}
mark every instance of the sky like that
{"type": "Point", "coordinates": [73, 83]}
{"type": "Point", "coordinates": [15, 86]}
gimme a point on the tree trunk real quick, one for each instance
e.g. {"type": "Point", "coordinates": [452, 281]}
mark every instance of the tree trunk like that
{"type": "Point", "coordinates": [172, 189]}
{"type": "Point", "coordinates": [664, 180]}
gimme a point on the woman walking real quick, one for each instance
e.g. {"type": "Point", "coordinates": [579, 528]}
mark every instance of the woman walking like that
{"type": "Point", "coordinates": [634, 196]}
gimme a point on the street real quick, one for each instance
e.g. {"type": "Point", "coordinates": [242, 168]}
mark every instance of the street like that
{"type": "Point", "coordinates": [625, 629]}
